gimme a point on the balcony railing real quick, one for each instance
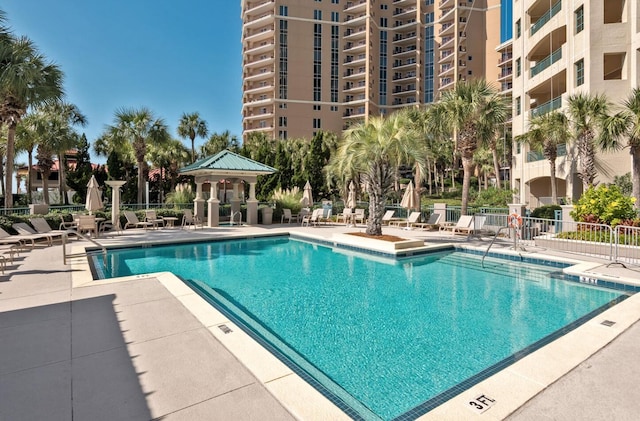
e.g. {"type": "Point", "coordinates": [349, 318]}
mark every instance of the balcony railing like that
{"type": "Point", "coordinates": [533, 156]}
{"type": "Point", "coordinates": [546, 17]}
{"type": "Point", "coordinates": [547, 107]}
{"type": "Point", "coordinates": [546, 62]}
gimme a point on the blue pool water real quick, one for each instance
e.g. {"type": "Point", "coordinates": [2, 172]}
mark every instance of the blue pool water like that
{"type": "Point", "coordinates": [383, 338]}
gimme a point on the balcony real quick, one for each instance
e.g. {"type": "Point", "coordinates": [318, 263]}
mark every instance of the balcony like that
{"type": "Point", "coordinates": [547, 107]}
{"type": "Point", "coordinates": [259, 115]}
{"type": "Point", "coordinates": [354, 47]}
{"type": "Point", "coordinates": [253, 62]}
{"type": "Point", "coordinates": [259, 21]}
{"type": "Point", "coordinates": [402, 12]}
{"type": "Point", "coordinates": [354, 74]}
{"type": "Point", "coordinates": [404, 38]}
{"type": "Point", "coordinates": [262, 34]}
{"type": "Point", "coordinates": [354, 6]}
{"type": "Point", "coordinates": [259, 7]}
{"type": "Point", "coordinates": [355, 20]}
{"type": "Point", "coordinates": [262, 47]}
{"type": "Point", "coordinates": [404, 90]}
{"type": "Point", "coordinates": [505, 73]}
{"type": "Point", "coordinates": [264, 74]}
{"type": "Point", "coordinates": [355, 87]}
{"type": "Point", "coordinates": [408, 50]}
{"type": "Point", "coordinates": [408, 75]}
{"type": "Point", "coordinates": [261, 88]}
{"type": "Point", "coordinates": [546, 62]}
{"type": "Point", "coordinates": [408, 63]}
{"type": "Point", "coordinates": [533, 156]}
{"type": "Point", "coordinates": [355, 33]}
{"type": "Point", "coordinates": [546, 18]}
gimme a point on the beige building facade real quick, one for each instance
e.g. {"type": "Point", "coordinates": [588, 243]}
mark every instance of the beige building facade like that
{"type": "Point", "coordinates": [559, 48]}
{"type": "Point", "coordinates": [311, 65]}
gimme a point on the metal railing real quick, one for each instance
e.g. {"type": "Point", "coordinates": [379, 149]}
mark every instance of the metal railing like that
{"type": "Point", "coordinates": [547, 107]}
{"type": "Point", "coordinates": [546, 17]}
{"type": "Point", "coordinates": [546, 62]}
{"type": "Point", "coordinates": [66, 255]}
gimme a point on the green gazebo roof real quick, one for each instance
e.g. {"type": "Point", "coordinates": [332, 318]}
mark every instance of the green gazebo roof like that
{"type": "Point", "coordinates": [227, 163]}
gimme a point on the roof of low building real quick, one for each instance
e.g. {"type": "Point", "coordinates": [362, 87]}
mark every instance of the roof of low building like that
{"type": "Point", "coordinates": [227, 162]}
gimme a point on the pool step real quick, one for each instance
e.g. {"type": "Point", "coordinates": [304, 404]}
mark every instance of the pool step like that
{"type": "Point", "coordinates": [500, 268]}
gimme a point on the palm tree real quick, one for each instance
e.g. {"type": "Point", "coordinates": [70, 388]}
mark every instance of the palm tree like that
{"type": "Point", "coordinates": [547, 132]}
{"type": "Point", "coordinates": [191, 125]}
{"type": "Point", "coordinates": [26, 141]}
{"type": "Point", "coordinates": [375, 149]}
{"type": "Point", "coordinates": [588, 114]}
{"type": "Point", "coordinates": [473, 113]}
{"type": "Point", "coordinates": [135, 128]}
{"type": "Point", "coordinates": [26, 79]}
{"type": "Point", "coordinates": [217, 143]}
{"type": "Point", "coordinates": [626, 124]}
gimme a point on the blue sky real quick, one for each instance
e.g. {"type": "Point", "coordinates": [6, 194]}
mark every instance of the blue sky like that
{"type": "Point", "coordinates": [170, 56]}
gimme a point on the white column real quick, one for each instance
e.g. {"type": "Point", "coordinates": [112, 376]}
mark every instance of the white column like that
{"type": "Point", "coordinates": [115, 201]}
{"type": "Point", "coordinates": [252, 205]}
{"type": "Point", "coordinates": [198, 202]}
{"type": "Point", "coordinates": [214, 205]}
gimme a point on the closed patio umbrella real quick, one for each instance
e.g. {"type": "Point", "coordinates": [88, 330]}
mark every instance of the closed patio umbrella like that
{"type": "Point", "coordinates": [307, 196]}
{"type": "Point", "coordinates": [94, 202]}
{"type": "Point", "coordinates": [351, 198]}
{"type": "Point", "coordinates": [410, 200]}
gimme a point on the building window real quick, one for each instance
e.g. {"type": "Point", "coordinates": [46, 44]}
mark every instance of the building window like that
{"type": "Point", "coordinates": [317, 107]}
{"type": "Point", "coordinates": [518, 67]}
{"type": "Point", "coordinates": [579, 15]}
{"type": "Point", "coordinates": [317, 14]}
{"type": "Point", "coordinates": [335, 1]}
{"type": "Point", "coordinates": [518, 106]}
{"type": "Point", "coordinates": [282, 134]}
{"type": "Point", "coordinates": [335, 17]}
{"type": "Point", "coordinates": [613, 66]}
{"type": "Point", "coordinates": [316, 123]}
{"type": "Point", "coordinates": [579, 72]}
{"type": "Point", "coordinates": [384, 7]}
{"type": "Point", "coordinates": [334, 108]}
{"type": "Point", "coordinates": [518, 29]}
{"type": "Point", "coordinates": [284, 11]}
{"type": "Point", "coordinates": [383, 22]}
{"type": "Point", "coordinates": [282, 105]}
{"type": "Point", "coordinates": [282, 121]}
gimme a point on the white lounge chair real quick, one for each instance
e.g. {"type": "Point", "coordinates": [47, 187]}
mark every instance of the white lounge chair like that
{"type": "Point", "coordinates": [463, 226]}
{"type": "Point", "coordinates": [15, 240]}
{"type": "Point", "coordinates": [151, 216]}
{"type": "Point", "coordinates": [25, 231]}
{"type": "Point", "coordinates": [411, 219]}
{"type": "Point", "coordinates": [287, 215]}
{"type": "Point", "coordinates": [432, 222]}
{"type": "Point", "coordinates": [387, 218]}
{"type": "Point", "coordinates": [42, 227]}
{"type": "Point", "coordinates": [359, 216]}
{"type": "Point", "coordinates": [313, 218]}
{"type": "Point", "coordinates": [346, 216]}
{"type": "Point", "coordinates": [133, 221]}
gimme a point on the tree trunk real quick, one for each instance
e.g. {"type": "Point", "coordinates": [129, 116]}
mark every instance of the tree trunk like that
{"type": "Point", "coordinates": [140, 181]}
{"type": "Point", "coordinates": [62, 163]}
{"type": "Point", "coordinates": [552, 176]}
{"type": "Point", "coordinates": [193, 149]}
{"type": "Point", "coordinates": [29, 180]}
{"type": "Point", "coordinates": [376, 209]}
{"type": "Point", "coordinates": [635, 173]}
{"type": "Point", "coordinates": [496, 167]}
{"type": "Point", "coordinates": [45, 185]}
{"type": "Point", "coordinates": [467, 167]}
{"type": "Point", "coordinates": [11, 142]}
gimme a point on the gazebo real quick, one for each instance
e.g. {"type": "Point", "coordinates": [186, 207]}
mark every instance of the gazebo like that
{"type": "Point", "coordinates": [226, 165]}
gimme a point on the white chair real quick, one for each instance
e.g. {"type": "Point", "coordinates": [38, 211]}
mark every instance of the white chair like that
{"type": "Point", "coordinates": [133, 221]}
{"type": "Point", "coordinates": [411, 219]}
{"type": "Point", "coordinates": [463, 226]}
{"type": "Point", "coordinates": [188, 218]}
{"type": "Point", "coordinates": [151, 216]}
{"type": "Point", "coordinates": [87, 224]}
{"type": "Point", "coordinates": [359, 216]}
{"type": "Point", "coordinates": [287, 215]}
{"type": "Point", "coordinates": [313, 218]}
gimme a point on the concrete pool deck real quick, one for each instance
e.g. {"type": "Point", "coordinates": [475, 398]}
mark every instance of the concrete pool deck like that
{"type": "Point", "coordinates": [144, 349]}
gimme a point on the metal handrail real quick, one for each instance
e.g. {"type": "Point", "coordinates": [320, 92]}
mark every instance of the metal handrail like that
{"type": "Point", "coordinates": [490, 244]}
{"type": "Point", "coordinates": [84, 237]}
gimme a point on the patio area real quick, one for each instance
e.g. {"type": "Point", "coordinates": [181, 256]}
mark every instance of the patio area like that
{"type": "Point", "coordinates": [75, 349]}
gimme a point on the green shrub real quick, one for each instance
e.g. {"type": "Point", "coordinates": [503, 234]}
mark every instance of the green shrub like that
{"type": "Point", "coordinates": [545, 212]}
{"type": "Point", "coordinates": [287, 199]}
{"type": "Point", "coordinates": [604, 204]}
{"type": "Point", "coordinates": [182, 194]}
{"type": "Point", "coordinates": [493, 197]}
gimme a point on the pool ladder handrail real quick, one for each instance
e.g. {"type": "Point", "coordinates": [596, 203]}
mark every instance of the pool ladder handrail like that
{"type": "Point", "coordinates": [65, 256]}
{"type": "Point", "coordinates": [490, 244]}
{"type": "Point", "coordinates": [233, 215]}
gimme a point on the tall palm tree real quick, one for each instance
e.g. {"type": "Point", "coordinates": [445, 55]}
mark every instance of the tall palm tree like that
{"type": "Point", "coordinates": [217, 143]}
{"type": "Point", "coordinates": [191, 125]}
{"type": "Point", "coordinates": [588, 114]}
{"type": "Point", "coordinates": [67, 138]}
{"type": "Point", "coordinates": [472, 113]}
{"type": "Point", "coordinates": [374, 149]}
{"type": "Point", "coordinates": [135, 128]}
{"type": "Point", "coordinates": [547, 132]}
{"type": "Point", "coordinates": [26, 141]}
{"type": "Point", "coordinates": [626, 124]}
{"type": "Point", "coordinates": [26, 79]}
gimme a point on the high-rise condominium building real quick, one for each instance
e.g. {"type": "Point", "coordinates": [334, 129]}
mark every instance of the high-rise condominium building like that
{"type": "Point", "coordinates": [311, 65]}
{"type": "Point", "coordinates": [559, 48]}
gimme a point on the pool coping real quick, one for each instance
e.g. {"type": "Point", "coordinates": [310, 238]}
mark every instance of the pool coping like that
{"type": "Point", "coordinates": [509, 389]}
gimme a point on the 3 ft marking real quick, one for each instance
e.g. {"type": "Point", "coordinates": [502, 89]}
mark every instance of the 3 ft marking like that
{"type": "Point", "coordinates": [481, 403]}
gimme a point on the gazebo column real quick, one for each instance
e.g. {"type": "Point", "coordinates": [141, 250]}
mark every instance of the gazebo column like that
{"type": "Point", "coordinates": [252, 205]}
{"type": "Point", "coordinates": [198, 202]}
{"type": "Point", "coordinates": [214, 205]}
{"type": "Point", "coordinates": [235, 202]}
{"type": "Point", "coordinates": [115, 201]}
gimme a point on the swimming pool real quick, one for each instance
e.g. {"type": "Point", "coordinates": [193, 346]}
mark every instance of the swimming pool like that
{"type": "Point", "coordinates": [383, 338]}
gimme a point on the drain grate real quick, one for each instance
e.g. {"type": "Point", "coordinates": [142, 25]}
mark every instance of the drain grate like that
{"type": "Point", "coordinates": [225, 329]}
{"type": "Point", "coordinates": [608, 323]}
